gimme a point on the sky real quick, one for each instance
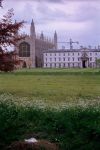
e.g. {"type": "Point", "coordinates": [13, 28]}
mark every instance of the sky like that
{"type": "Point", "coordinates": [75, 19]}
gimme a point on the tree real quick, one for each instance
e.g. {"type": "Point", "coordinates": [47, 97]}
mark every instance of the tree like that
{"type": "Point", "coordinates": [8, 37]}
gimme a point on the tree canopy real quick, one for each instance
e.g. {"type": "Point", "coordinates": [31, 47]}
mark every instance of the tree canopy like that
{"type": "Point", "coordinates": [8, 37]}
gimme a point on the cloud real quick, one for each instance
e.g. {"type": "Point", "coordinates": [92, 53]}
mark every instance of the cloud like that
{"type": "Point", "coordinates": [77, 19]}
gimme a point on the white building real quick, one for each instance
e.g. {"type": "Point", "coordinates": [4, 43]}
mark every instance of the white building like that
{"type": "Point", "coordinates": [67, 58]}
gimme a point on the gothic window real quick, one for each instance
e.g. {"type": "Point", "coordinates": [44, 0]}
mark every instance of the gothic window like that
{"type": "Point", "coordinates": [24, 50]}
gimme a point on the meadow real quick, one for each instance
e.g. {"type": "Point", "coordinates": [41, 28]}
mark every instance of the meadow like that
{"type": "Point", "coordinates": [59, 105]}
{"type": "Point", "coordinates": [57, 86]}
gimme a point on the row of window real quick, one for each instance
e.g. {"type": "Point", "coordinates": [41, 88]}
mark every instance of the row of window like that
{"type": "Point", "coordinates": [69, 54]}
{"type": "Point", "coordinates": [62, 65]}
{"type": "Point", "coordinates": [65, 59]}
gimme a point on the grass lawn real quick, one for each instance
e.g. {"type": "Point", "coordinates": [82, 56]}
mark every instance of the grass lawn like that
{"type": "Point", "coordinates": [52, 85]}
{"type": "Point", "coordinates": [75, 128]}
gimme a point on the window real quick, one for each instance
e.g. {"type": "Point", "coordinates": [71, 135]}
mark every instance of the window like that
{"type": "Point", "coordinates": [68, 64]}
{"type": "Point", "coordinates": [78, 59]}
{"type": "Point", "coordinates": [24, 50]}
{"type": "Point", "coordinates": [46, 59]}
{"type": "Point", "coordinates": [64, 59]}
{"type": "Point", "coordinates": [59, 65]}
{"type": "Point", "coordinates": [68, 54]}
{"type": "Point", "coordinates": [73, 58]}
{"type": "Point", "coordinates": [90, 54]}
{"type": "Point", "coordinates": [95, 53]}
{"type": "Point", "coordinates": [78, 54]}
{"type": "Point", "coordinates": [64, 65]}
{"type": "Point", "coordinates": [59, 59]}
{"type": "Point", "coordinates": [73, 54]}
{"type": "Point", "coordinates": [64, 54]}
{"type": "Point", "coordinates": [50, 59]}
{"type": "Point", "coordinates": [90, 58]}
{"type": "Point", "coordinates": [55, 59]}
{"type": "Point", "coordinates": [68, 59]}
{"type": "Point", "coordinates": [50, 54]}
{"type": "Point", "coordinates": [50, 65]}
{"type": "Point", "coordinates": [55, 54]}
{"type": "Point", "coordinates": [78, 64]}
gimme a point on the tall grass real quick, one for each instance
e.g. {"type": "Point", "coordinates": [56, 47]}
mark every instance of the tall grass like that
{"type": "Point", "coordinates": [71, 129]}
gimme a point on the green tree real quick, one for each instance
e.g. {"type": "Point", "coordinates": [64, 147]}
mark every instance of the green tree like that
{"type": "Point", "coordinates": [8, 37]}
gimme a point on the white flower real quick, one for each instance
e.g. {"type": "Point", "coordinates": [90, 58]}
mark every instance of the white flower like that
{"type": "Point", "coordinates": [31, 140]}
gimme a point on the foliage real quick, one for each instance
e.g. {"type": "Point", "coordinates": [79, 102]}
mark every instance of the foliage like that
{"type": "Point", "coordinates": [77, 129]}
{"type": "Point", "coordinates": [8, 37]}
{"type": "Point", "coordinates": [8, 61]}
{"type": "Point", "coordinates": [9, 30]}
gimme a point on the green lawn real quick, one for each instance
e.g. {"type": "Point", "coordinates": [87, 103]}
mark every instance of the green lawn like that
{"type": "Point", "coordinates": [57, 85]}
{"type": "Point", "coordinates": [24, 92]}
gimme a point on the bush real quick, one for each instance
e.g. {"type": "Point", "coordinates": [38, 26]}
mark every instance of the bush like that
{"type": "Point", "coordinates": [72, 129]}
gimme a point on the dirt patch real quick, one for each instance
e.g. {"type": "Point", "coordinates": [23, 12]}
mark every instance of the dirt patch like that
{"type": "Point", "coordinates": [40, 145]}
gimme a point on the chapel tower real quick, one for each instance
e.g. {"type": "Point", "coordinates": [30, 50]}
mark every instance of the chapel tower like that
{"type": "Point", "coordinates": [32, 30]}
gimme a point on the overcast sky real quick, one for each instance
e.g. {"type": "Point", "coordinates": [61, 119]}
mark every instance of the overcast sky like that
{"type": "Point", "coordinates": [76, 19]}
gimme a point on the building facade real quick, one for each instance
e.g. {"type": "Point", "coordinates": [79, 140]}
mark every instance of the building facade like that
{"type": "Point", "coordinates": [39, 51]}
{"type": "Point", "coordinates": [67, 58]}
{"type": "Point", "coordinates": [30, 49]}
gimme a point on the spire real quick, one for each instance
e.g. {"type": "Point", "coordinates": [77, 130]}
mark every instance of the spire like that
{"type": "Point", "coordinates": [32, 29]}
{"type": "Point", "coordinates": [42, 36]}
{"type": "Point", "coordinates": [55, 34]}
{"type": "Point", "coordinates": [55, 40]}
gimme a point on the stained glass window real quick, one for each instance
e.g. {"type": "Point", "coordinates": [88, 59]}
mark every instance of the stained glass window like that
{"type": "Point", "coordinates": [24, 50]}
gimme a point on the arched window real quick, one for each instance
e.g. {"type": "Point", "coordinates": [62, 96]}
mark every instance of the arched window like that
{"type": "Point", "coordinates": [24, 50]}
